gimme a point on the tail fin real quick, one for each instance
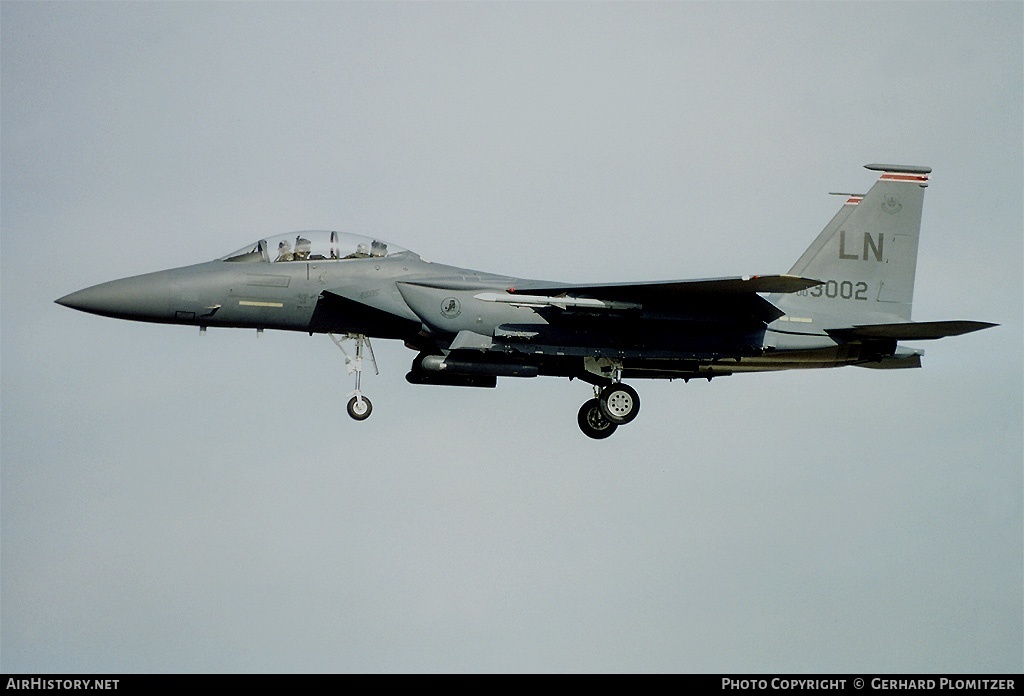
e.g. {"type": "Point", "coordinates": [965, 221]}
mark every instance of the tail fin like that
{"type": "Point", "coordinates": [866, 257]}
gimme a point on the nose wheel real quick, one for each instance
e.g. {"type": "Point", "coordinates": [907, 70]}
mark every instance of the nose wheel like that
{"type": "Point", "coordinates": [359, 407]}
{"type": "Point", "coordinates": [615, 405]}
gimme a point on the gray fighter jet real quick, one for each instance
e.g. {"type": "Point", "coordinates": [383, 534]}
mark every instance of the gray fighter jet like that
{"type": "Point", "coordinates": [846, 302]}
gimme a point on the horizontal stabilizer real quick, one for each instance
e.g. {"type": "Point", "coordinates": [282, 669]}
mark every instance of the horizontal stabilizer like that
{"type": "Point", "coordinates": [894, 362]}
{"type": "Point", "coordinates": [913, 331]}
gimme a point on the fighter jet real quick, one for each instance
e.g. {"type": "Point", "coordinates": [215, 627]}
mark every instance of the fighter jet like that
{"type": "Point", "coordinates": [846, 301]}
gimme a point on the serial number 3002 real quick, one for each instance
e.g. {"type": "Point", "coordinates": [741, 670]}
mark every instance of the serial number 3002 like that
{"type": "Point", "coordinates": [847, 290]}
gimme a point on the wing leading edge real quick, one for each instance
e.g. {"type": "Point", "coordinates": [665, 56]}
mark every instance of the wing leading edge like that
{"type": "Point", "coordinates": [665, 290]}
{"type": "Point", "coordinates": [729, 298]}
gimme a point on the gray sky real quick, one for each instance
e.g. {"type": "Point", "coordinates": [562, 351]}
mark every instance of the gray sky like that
{"type": "Point", "coordinates": [175, 503]}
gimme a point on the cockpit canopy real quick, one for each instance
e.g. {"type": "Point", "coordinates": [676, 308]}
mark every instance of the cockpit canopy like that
{"type": "Point", "coordinates": [314, 245]}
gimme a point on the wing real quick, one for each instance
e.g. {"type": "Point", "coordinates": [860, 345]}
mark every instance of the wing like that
{"type": "Point", "coordinates": [724, 298]}
{"type": "Point", "coordinates": [660, 289]}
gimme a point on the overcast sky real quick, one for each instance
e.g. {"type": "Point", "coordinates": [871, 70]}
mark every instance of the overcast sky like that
{"type": "Point", "coordinates": [172, 503]}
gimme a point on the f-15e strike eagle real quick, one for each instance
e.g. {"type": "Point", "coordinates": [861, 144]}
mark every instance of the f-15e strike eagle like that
{"type": "Point", "coordinates": [846, 302]}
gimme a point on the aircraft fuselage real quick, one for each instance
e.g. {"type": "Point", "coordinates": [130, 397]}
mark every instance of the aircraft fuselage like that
{"type": "Point", "coordinates": [845, 302]}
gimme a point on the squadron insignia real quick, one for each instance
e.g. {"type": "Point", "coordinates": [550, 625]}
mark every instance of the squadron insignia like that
{"type": "Point", "coordinates": [892, 204]}
{"type": "Point", "coordinates": [451, 308]}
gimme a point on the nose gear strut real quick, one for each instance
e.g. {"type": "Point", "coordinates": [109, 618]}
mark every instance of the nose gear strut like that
{"type": "Point", "coordinates": [359, 407]}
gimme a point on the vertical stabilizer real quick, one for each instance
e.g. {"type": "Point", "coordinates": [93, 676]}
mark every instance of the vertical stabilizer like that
{"type": "Point", "coordinates": [866, 257]}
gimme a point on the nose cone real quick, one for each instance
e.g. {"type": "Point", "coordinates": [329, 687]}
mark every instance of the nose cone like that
{"type": "Point", "coordinates": [142, 298]}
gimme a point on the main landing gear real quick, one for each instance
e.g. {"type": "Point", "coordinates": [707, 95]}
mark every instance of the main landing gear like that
{"type": "Point", "coordinates": [359, 407]}
{"type": "Point", "coordinates": [615, 405]}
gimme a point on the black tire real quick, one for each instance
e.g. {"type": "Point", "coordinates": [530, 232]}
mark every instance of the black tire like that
{"type": "Point", "coordinates": [356, 412]}
{"type": "Point", "coordinates": [620, 403]}
{"type": "Point", "coordinates": [592, 421]}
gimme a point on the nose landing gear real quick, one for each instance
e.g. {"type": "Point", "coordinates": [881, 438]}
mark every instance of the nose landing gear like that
{"type": "Point", "coordinates": [359, 407]}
